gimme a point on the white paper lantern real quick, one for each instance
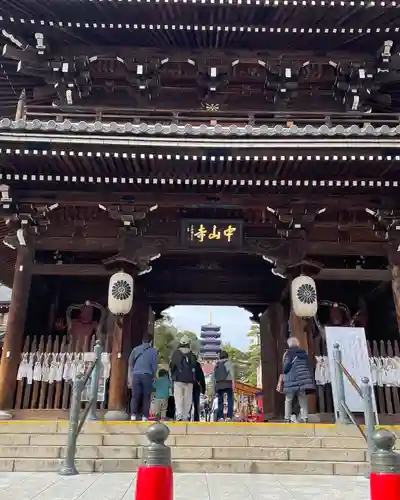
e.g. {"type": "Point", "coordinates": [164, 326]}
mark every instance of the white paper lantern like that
{"type": "Point", "coordinates": [120, 293]}
{"type": "Point", "coordinates": [304, 297]}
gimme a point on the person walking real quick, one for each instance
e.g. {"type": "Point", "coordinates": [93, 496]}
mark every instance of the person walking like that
{"type": "Point", "coordinates": [214, 409]}
{"type": "Point", "coordinates": [183, 374]}
{"type": "Point", "coordinates": [207, 409]}
{"type": "Point", "coordinates": [162, 388]}
{"type": "Point", "coordinates": [199, 387]}
{"type": "Point", "coordinates": [223, 379]}
{"type": "Point", "coordinates": [142, 369]}
{"type": "Point", "coordinates": [297, 379]}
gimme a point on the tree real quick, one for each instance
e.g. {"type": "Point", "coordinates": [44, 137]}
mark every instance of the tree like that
{"type": "Point", "coordinates": [167, 337]}
{"type": "Point", "coordinates": [253, 353]}
{"type": "Point", "coordinates": [239, 361]}
{"type": "Point", "coordinates": [164, 338]}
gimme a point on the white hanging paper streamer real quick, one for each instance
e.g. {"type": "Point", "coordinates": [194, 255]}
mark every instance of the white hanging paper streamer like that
{"type": "Point", "coordinates": [385, 371]}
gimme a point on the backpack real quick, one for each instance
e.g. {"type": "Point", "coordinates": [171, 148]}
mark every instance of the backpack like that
{"type": "Point", "coordinates": [220, 373]}
{"type": "Point", "coordinates": [186, 369]}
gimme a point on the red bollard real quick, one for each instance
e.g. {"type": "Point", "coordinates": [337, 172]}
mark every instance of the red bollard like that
{"type": "Point", "coordinates": [154, 479]}
{"type": "Point", "coordinates": [385, 467]}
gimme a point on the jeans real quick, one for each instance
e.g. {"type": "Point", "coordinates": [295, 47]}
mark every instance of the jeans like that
{"type": "Point", "coordinates": [302, 402]}
{"type": "Point", "coordinates": [142, 387]}
{"type": "Point", "coordinates": [196, 403]}
{"type": "Point", "coordinates": [229, 394]}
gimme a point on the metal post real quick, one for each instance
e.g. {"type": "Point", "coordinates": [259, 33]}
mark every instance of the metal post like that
{"type": "Point", "coordinates": [341, 416]}
{"type": "Point", "coordinates": [154, 479]}
{"type": "Point", "coordinates": [94, 380]}
{"type": "Point", "coordinates": [157, 453]}
{"type": "Point", "coordinates": [385, 467]}
{"type": "Point", "coordinates": [369, 414]}
{"type": "Point", "coordinates": [68, 468]}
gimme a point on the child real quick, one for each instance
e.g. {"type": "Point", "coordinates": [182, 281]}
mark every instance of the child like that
{"type": "Point", "coordinates": [162, 388]}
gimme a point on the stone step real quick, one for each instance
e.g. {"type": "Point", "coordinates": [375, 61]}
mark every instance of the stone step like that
{"type": "Point", "coordinates": [185, 441]}
{"type": "Point", "coordinates": [194, 453]}
{"type": "Point", "coordinates": [193, 466]}
{"type": "Point", "coordinates": [236, 448]}
{"type": "Point", "coordinates": [192, 430]}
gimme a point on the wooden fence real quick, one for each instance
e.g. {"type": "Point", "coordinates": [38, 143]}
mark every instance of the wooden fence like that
{"type": "Point", "coordinates": [47, 395]}
{"type": "Point", "coordinates": [387, 398]}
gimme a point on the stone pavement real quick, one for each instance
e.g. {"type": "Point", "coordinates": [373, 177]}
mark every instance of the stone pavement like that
{"type": "Point", "coordinates": [120, 486]}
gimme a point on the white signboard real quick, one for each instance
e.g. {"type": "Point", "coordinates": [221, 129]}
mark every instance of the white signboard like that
{"type": "Point", "coordinates": [355, 358]}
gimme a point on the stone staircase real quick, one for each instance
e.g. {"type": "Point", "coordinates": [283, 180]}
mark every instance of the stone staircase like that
{"type": "Point", "coordinates": [214, 447]}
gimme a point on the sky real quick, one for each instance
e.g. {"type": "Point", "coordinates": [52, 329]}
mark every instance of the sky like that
{"type": "Point", "coordinates": [234, 321]}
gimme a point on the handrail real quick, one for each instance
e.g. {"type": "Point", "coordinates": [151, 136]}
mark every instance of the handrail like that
{"type": "Point", "coordinates": [365, 392]}
{"type": "Point", "coordinates": [68, 467]}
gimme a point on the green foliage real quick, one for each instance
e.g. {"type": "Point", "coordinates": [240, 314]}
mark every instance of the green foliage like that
{"type": "Point", "coordinates": [167, 336]}
{"type": "Point", "coordinates": [253, 353]}
{"type": "Point", "coordinates": [239, 361]}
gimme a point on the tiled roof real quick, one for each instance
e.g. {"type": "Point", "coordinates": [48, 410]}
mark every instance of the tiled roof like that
{"type": "Point", "coordinates": [98, 127]}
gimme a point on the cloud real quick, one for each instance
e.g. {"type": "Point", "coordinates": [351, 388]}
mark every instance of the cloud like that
{"type": "Point", "coordinates": [234, 321]}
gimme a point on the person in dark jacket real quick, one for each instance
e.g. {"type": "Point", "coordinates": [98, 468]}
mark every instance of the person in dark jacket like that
{"type": "Point", "coordinates": [142, 371]}
{"type": "Point", "coordinates": [222, 380]}
{"type": "Point", "coordinates": [183, 372]}
{"type": "Point", "coordinates": [199, 387]}
{"type": "Point", "coordinates": [298, 379]}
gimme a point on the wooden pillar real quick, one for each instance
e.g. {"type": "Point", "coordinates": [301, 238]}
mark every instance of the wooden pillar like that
{"type": "Point", "coordinates": [140, 322]}
{"type": "Point", "coordinates": [272, 328]}
{"type": "Point", "coordinates": [15, 329]}
{"type": "Point", "coordinates": [395, 270]}
{"type": "Point", "coordinates": [302, 330]}
{"type": "Point", "coordinates": [118, 388]}
{"type": "Point", "coordinates": [128, 332]}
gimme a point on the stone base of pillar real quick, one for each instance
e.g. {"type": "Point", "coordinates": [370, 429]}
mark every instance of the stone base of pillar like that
{"type": "Point", "coordinates": [5, 415]}
{"type": "Point", "coordinates": [116, 416]}
{"type": "Point", "coordinates": [314, 418]}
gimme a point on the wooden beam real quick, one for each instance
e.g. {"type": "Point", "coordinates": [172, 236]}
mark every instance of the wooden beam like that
{"type": "Point", "coordinates": [180, 198]}
{"type": "Point", "coordinates": [173, 245]}
{"type": "Point", "coordinates": [207, 298]}
{"type": "Point", "coordinates": [354, 275]}
{"type": "Point", "coordinates": [70, 270]}
{"type": "Point", "coordinates": [181, 56]}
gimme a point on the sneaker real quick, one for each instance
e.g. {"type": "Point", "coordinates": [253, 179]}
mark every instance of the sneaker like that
{"type": "Point", "coordinates": [145, 419]}
{"type": "Point", "coordinates": [293, 419]}
{"type": "Point", "coordinates": [133, 418]}
{"type": "Point", "coordinates": [287, 421]}
{"type": "Point", "coordinates": [304, 420]}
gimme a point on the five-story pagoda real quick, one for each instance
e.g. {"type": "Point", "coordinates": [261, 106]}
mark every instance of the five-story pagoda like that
{"type": "Point", "coordinates": [210, 339]}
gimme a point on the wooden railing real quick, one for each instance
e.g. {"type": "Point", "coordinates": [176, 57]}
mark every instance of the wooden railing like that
{"type": "Point", "coordinates": [196, 117]}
